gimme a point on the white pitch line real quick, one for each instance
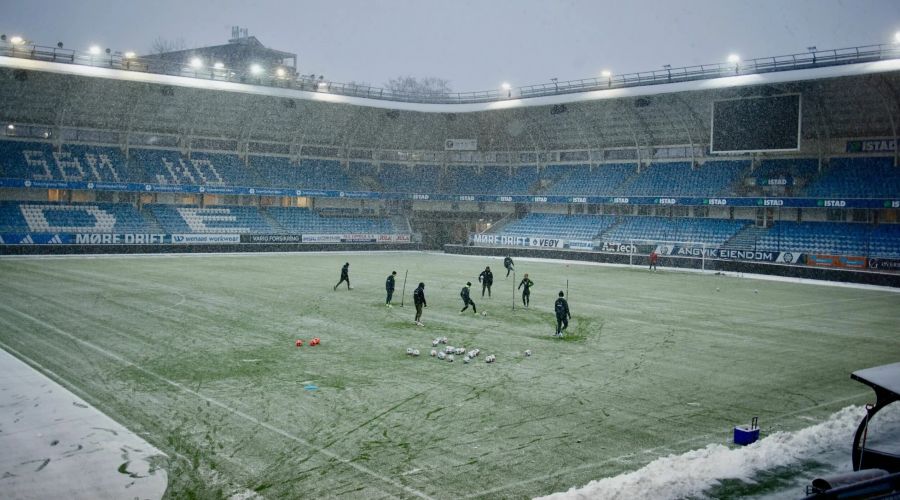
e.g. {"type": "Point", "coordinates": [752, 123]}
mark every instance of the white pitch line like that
{"type": "Point", "coordinates": [644, 451]}
{"type": "Point", "coordinates": [218, 403]}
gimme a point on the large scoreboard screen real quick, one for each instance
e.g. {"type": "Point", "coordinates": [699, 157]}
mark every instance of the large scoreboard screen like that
{"type": "Point", "coordinates": [756, 124]}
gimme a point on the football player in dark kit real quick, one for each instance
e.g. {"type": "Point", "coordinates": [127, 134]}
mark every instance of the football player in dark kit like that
{"type": "Point", "coordinates": [419, 301]}
{"type": "Point", "coordinates": [487, 279]}
{"type": "Point", "coordinates": [467, 300]}
{"type": "Point", "coordinates": [562, 314]}
{"type": "Point", "coordinates": [389, 288]}
{"type": "Point", "coordinates": [345, 276]}
{"type": "Point", "coordinates": [526, 293]}
{"type": "Point", "coordinates": [508, 264]}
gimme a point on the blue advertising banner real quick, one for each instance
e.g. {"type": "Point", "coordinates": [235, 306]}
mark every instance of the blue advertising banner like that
{"type": "Point", "coordinates": [872, 146]}
{"type": "Point", "coordinates": [84, 239]}
{"type": "Point", "coordinates": [729, 254]}
{"type": "Point", "coordinates": [598, 200]}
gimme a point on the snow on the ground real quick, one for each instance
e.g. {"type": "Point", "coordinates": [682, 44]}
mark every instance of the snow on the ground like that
{"type": "Point", "coordinates": [691, 474]}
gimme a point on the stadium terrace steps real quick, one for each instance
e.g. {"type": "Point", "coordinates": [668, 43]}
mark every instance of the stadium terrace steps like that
{"type": "Point", "coordinates": [50, 217]}
{"type": "Point", "coordinates": [854, 177]}
{"type": "Point", "coordinates": [713, 232]}
{"type": "Point", "coordinates": [278, 228]}
{"type": "Point", "coordinates": [832, 238]}
{"type": "Point", "coordinates": [199, 169]}
{"type": "Point", "coordinates": [599, 180]}
{"type": "Point", "coordinates": [401, 224]}
{"type": "Point", "coordinates": [217, 219]}
{"type": "Point", "coordinates": [680, 179]}
{"type": "Point", "coordinates": [73, 163]}
{"type": "Point", "coordinates": [306, 221]}
{"type": "Point", "coordinates": [777, 177]}
{"type": "Point", "coordinates": [857, 178]}
{"type": "Point", "coordinates": [746, 238]}
{"type": "Point", "coordinates": [152, 223]}
{"type": "Point", "coordinates": [578, 227]}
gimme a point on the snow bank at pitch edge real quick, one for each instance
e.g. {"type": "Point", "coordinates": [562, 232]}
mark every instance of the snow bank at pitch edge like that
{"type": "Point", "coordinates": [692, 473]}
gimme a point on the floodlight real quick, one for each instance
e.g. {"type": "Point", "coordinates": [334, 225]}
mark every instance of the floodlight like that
{"type": "Point", "coordinates": [606, 73]}
{"type": "Point", "coordinates": [94, 50]}
{"type": "Point", "coordinates": [130, 55]}
{"type": "Point", "coordinates": [897, 37]}
{"type": "Point", "coordinates": [11, 127]}
{"type": "Point", "coordinates": [16, 40]}
{"type": "Point", "coordinates": [280, 72]}
{"type": "Point", "coordinates": [196, 63]}
{"type": "Point", "coordinates": [219, 65]}
{"type": "Point", "coordinates": [255, 69]}
{"type": "Point", "coordinates": [734, 58]}
{"type": "Point", "coordinates": [505, 86]}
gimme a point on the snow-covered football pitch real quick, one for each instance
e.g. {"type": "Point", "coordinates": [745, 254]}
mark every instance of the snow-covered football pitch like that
{"type": "Point", "coordinates": [197, 355]}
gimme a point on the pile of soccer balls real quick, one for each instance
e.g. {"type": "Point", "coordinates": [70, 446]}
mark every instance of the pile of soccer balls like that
{"type": "Point", "coordinates": [448, 352]}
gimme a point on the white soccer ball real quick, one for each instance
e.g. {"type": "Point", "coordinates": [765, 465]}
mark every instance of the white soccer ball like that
{"type": "Point", "coordinates": [443, 340]}
{"type": "Point", "coordinates": [415, 352]}
{"type": "Point", "coordinates": [528, 352]}
{"type": "Point", "coordinates": [717, 289]}
{"type": "Point", "coordinates": [435, 342]}
{"type": "Point", "coordinates": [409, 350]}
{"type": "Point", "coordinates": [441, 355]}
{"type": "Point", "coordinates": [433, 353]}
{"type": "Point", "coordinates": [460, 350]}
{"type": "Point", "coordinates": [484, 313]}
{"type": "Point", "coordinates": [755, 291]}
{"type": "Point", "coordinates": [450, 358]}
{"type": "Point", "coordinates": [466, 359]}
{"type": "Point", "coordinates": [449, 349]}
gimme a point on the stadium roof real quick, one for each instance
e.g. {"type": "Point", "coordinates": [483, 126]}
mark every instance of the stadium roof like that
{"type": "Point", "coordinates": [851, 100]}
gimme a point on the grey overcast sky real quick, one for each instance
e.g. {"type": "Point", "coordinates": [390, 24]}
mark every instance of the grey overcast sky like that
{"type": "Point", "coordinates": [476, 44]}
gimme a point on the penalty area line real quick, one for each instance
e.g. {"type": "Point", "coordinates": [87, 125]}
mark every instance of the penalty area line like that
{"type": "Point", "coordinates": [218, 403]}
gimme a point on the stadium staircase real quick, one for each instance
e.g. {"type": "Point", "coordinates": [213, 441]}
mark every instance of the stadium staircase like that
{"type": "Point", "coordinates": [623, 188]}
{"type": "Point", "coordinates": [401, 224]}
{"type": "Point", "coordinates": [276, 227]}
{"type": "Point", "coordinates": [746, 238]}
{"type": "Point", "coordinates": [153, 225]}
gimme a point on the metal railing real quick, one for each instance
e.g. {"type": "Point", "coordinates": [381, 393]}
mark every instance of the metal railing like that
{"type": "Point", "coordinates": [116, 60]}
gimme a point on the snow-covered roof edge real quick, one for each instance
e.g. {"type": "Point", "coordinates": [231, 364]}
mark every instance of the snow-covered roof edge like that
{"type": "Point", "coordinates": [216, 85]}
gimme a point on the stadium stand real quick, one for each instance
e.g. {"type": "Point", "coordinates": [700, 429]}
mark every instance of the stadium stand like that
{"type": "Point", "coordinates": [325, 174]}
{"type": "Point", "coordinates": [11, 220]}
{"type": "Point", "coordinates": [304, 220]}
{"type": "Point", "coordinates": [582, 180]}
{"type": "Point", "coordinates": [678, 229]}
{"type": "Point", "coordinates": [580, 227]}
{"type": "Point", "coordinates": [219, 219]}
{"type": "Point", "coordinates": [279, 171]}
{"type": "Point", "coordinates": [201, 169]}
{"type": "Point", "coordinates": [229, 167]}
{"type": "Point", "coordinates": [38, 161]}
{"type": "Point", "coordinates": [463, 179]}
{"type": "Point", "coordinates": [857, 178]}
{"type": "Point", "coordinates": [396, 178]}
{"type": "Point", "coordinates": [714, 178]}
{"type": "Point", "coordinates": [44, 217]}
{"type": "Point", "coordinates": [884, 241]}
{"type": "Point", "coordinates": [792, 172]}
{"type": "Point", "coordinates": [523, 181]}
{"type": "Point", "coordinates": [832, 238]}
